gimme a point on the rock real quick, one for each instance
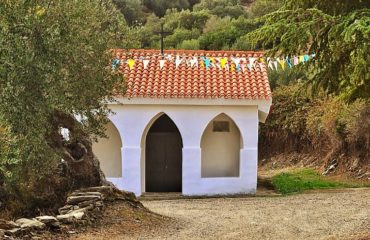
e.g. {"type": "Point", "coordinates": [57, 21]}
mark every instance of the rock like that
{"type": "Point", "coordinates": [55, 225]}
{"type": "Point", "coordinates": [2, 233]}
{"type": "Point", "coordinates": [99, 204]}
{"type": "Point", "coordinates": [67, 208]}
{"type": "Point", "coordinates": [6, 225]}
{"type": "Point", "coordinates": [111, 194]}
{"type": "Point", "coordinates": [46, 219]}
{"type": "Point", "coordinates": [87, 203]}
{"type": "Point", "coordinates": [85, 193]}
{"type": "Point", "coordinates": [71, 200]}
{"type": "Point", "coordinates": [30, 223]}
{"type": "Point", "coordinates": [13, 232]}
{"type": "Point", "coordinates": [73, 215]}
{"type": "Point", "coordinates": [65, 218]}
{"type": "Point", "coordinates": [355, 164]}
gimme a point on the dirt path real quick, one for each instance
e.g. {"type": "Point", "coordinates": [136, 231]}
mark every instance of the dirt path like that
{"type": "Point", "coordinates": [331, 215]}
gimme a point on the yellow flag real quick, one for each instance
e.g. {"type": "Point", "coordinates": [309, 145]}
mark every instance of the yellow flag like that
{"type": "Point", "coordinates": [282, 63]}
{"type": "Point", "coordinates": [301, 59]}
{"type": "Point", "coordinates": [201, 63]}
{"type": "Point", "coordinates": [131, 63]}
{"type": "Point", "coordinates": [223, 62]}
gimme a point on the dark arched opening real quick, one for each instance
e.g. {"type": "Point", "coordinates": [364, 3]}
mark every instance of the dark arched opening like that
{"type": "Point", "coordinates": [163, 157]}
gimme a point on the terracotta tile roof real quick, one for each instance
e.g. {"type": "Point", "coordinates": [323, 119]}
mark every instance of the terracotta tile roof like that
{"type": "Point", "coordinates": [187, 80]}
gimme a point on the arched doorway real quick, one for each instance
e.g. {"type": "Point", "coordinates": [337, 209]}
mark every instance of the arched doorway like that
{"type": "Point", "coordinates": [163, 157]}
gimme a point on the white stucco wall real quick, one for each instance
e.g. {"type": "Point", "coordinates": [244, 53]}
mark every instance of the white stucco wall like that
{"type": "Point", "coordinates": [134, 118]}
{"type": "Point", "coordinates": [221, 150]}
{"type": "Point", "coordinates": [108, 151]}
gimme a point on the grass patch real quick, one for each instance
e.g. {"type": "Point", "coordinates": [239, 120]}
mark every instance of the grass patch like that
{"type": "Point", "coordinates": [305, 179]}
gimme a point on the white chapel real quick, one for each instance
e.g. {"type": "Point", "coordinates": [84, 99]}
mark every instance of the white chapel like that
{"type": "Point", "coordinates": [188, 122]}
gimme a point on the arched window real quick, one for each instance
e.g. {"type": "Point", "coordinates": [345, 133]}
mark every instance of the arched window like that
{"type": "Point", "coordinates": [108, 151]}
{"type": "Point", "coordinates": [220, 144]}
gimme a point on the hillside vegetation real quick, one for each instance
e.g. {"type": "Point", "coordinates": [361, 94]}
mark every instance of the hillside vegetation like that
{"type": "Point", "coordinates": [321, 108]}
{"type": "Point", "coordinates": [53, 67]}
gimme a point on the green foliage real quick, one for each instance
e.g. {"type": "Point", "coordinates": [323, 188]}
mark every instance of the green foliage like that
{"type": "Point", "coordinates": [284, 77]}
{"type": "Point", "coordinates": [221, 8]}
{"type": "Point", "coordinates": [146, 34]}
{"type": "Point", "coordinates": [159, 7]}
{"type": "Point", "coordinates": [186, 19]}
{"type": "Point", "coordinates": [260, 8]}
{"type": "Point", "coordinates": [53, 58]}
{"type": "Point", "coordinates": [192, 44]}
{"type": "Point", "coordinates": [179, 36]}
{"type": "Point", "coordinates": [222, 33]}
{"type": "Point", "coordinates": [337, 32]}
{"type": "Point", "coordinates": [132, 10]}
{"type": "Point", "coordinates": [306, 179]}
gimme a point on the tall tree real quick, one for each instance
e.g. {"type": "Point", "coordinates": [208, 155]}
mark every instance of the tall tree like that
{"type": "Point", "coordinates": [336, 31]}
{"type": "Point", "coordinates": [54, 66]}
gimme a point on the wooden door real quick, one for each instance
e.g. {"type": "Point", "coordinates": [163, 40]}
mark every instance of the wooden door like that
{"type": "Point", "coordinates": [163, 168]}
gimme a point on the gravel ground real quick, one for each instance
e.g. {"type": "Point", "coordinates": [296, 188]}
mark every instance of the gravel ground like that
{"type": "Point", "coordinates": [331, 215]}
{"type": "Point", "coordinates": [335, 214]}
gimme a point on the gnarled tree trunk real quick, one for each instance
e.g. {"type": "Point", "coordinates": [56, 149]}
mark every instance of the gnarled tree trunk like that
{"type": "Point", "coordinates": [79, 165]}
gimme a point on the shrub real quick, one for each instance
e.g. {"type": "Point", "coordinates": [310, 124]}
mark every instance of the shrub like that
{"type": "Point", "coordinates": [330, 126]}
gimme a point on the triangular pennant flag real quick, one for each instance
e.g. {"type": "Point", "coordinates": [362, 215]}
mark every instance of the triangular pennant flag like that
{"type": "Point", "coordinates": [295, 60]}
{"type": "Point", "coordinates": [251, 62]}
{"type": "Point", "coordinates": [261, 65]}
{"type": "Point", "coordinates": [193, 62]}
{"type": "Point", "coordinates": [236, 61]}
{"type": "Point", "coordinates": [301, 59]}
{"type": "Point", "coordinates": [270, 65]}
{"type": "Point", "coordinates": [115, 63]}
{"type": "Point", "coordinates": [288, 60]}
{"type": "Point", "coordinates": [306, 58]}
{"type": "Point", "coordinates": [201, 64]}
{"type": "Point", "coordinates": [282, 63]}
{"type": "Point", "coordinates": [207, 62]}
{"type": "Point", "coordinates": [178, 61]}
{"type": "Point", "coordinates": [243, 66]}
{"type": "Point", "coordinates": [145, 63]}
{"type": "Point", "coordinates": [131, 63]}
{"type": "Point", "coordinates": [169, 57]}
{"type": "Point", "coordinates": [223, 62]}
{"type": "Point", "coordinates": [161, 63]}
{"type": "Point", "coordinates": [276, 64]}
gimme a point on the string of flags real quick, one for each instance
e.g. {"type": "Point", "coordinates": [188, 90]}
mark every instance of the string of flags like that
{"type": "Point", "coordinates": [228, 63]}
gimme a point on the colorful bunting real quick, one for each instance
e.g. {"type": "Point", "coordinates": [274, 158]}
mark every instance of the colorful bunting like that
{"type": "Point", "coordinates": [231, 64]}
